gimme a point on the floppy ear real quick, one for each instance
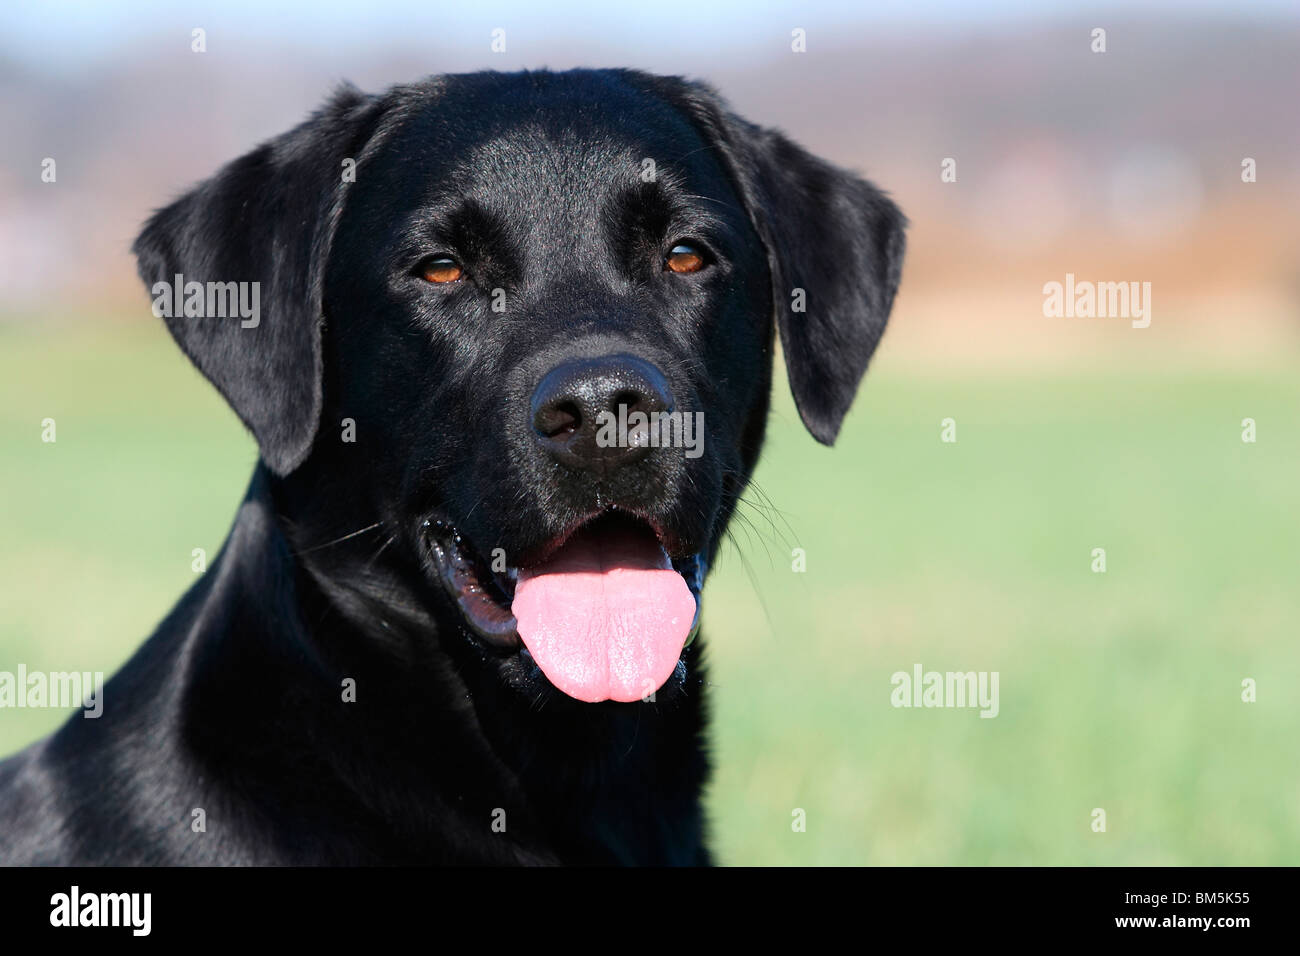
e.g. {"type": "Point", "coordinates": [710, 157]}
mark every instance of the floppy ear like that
{"type": "Point", "coordinates": [840, 240]}
{"type": "Point", "coordinates": [828, 233]}
{"type": "Point", "coordinates": [266, 220]}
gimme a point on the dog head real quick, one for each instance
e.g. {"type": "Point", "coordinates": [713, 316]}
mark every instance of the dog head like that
{"type": "Point", "coordinates": [518, 330]}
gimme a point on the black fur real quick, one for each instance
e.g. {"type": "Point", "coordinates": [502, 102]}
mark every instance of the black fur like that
{"type": "Point", "coordinates": [235, 704]}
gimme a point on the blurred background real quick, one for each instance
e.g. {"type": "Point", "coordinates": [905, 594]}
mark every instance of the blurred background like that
{"type": "Point", "coordinates": [1119, 690]}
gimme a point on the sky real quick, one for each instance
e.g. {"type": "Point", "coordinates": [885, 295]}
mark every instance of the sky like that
{"type": "Point", "coordinates": [71, 36]}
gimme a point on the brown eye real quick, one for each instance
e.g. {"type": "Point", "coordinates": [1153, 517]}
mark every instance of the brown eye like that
{"type": "Point", "coordinates": [684, 258]}
{"type": "Point", "coordinates": [440, 270]}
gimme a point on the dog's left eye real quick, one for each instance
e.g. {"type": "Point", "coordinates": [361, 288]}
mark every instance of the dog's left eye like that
{"type": "Point", "coordinates": [441, 269]}
{"type": "Point", "coordinates": [684, 257]}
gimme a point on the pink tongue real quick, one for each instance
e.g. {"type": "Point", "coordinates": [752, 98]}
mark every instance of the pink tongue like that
{"type": "Point", "coordinates": [606, 617]}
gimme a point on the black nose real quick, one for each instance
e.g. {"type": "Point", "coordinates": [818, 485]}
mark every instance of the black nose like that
{"type": "Point", "coordinates": [582, 410]}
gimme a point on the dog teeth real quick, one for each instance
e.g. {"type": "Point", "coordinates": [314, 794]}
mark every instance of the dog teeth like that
{"type": "Point", "coordinates": [695, 623]}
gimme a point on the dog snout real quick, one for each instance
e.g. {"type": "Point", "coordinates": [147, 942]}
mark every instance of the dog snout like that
{"type": "Point", "coordinates": [585, 411]}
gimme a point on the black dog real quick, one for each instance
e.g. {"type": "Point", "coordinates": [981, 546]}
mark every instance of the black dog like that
{"type": "Point", "coordinates": [452, 622]}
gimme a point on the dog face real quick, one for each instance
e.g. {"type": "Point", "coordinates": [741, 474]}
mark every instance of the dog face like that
{"type": "Point", "coordinates": [522, 325]}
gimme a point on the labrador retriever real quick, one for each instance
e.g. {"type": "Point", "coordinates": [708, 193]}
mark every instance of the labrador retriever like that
{"type": "Point", "coordinates": [508, 377]}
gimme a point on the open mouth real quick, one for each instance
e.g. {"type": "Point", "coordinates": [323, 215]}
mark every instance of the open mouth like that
{"type": "Point", "coordinates": [603, 612]}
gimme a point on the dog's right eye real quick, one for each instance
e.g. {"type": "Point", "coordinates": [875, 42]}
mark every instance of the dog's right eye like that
{"type": "Point", "coordinates": [684, 257]}
{"type": "Point", "coordinates": [441, 270]}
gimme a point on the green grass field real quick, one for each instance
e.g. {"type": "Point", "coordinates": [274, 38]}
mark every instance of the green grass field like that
{"type": "Point", "coordinates": [1119, 690]}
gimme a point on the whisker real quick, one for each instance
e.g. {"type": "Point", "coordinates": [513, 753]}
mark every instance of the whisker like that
{"type": "Point", "coordinates": [330, 544]}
